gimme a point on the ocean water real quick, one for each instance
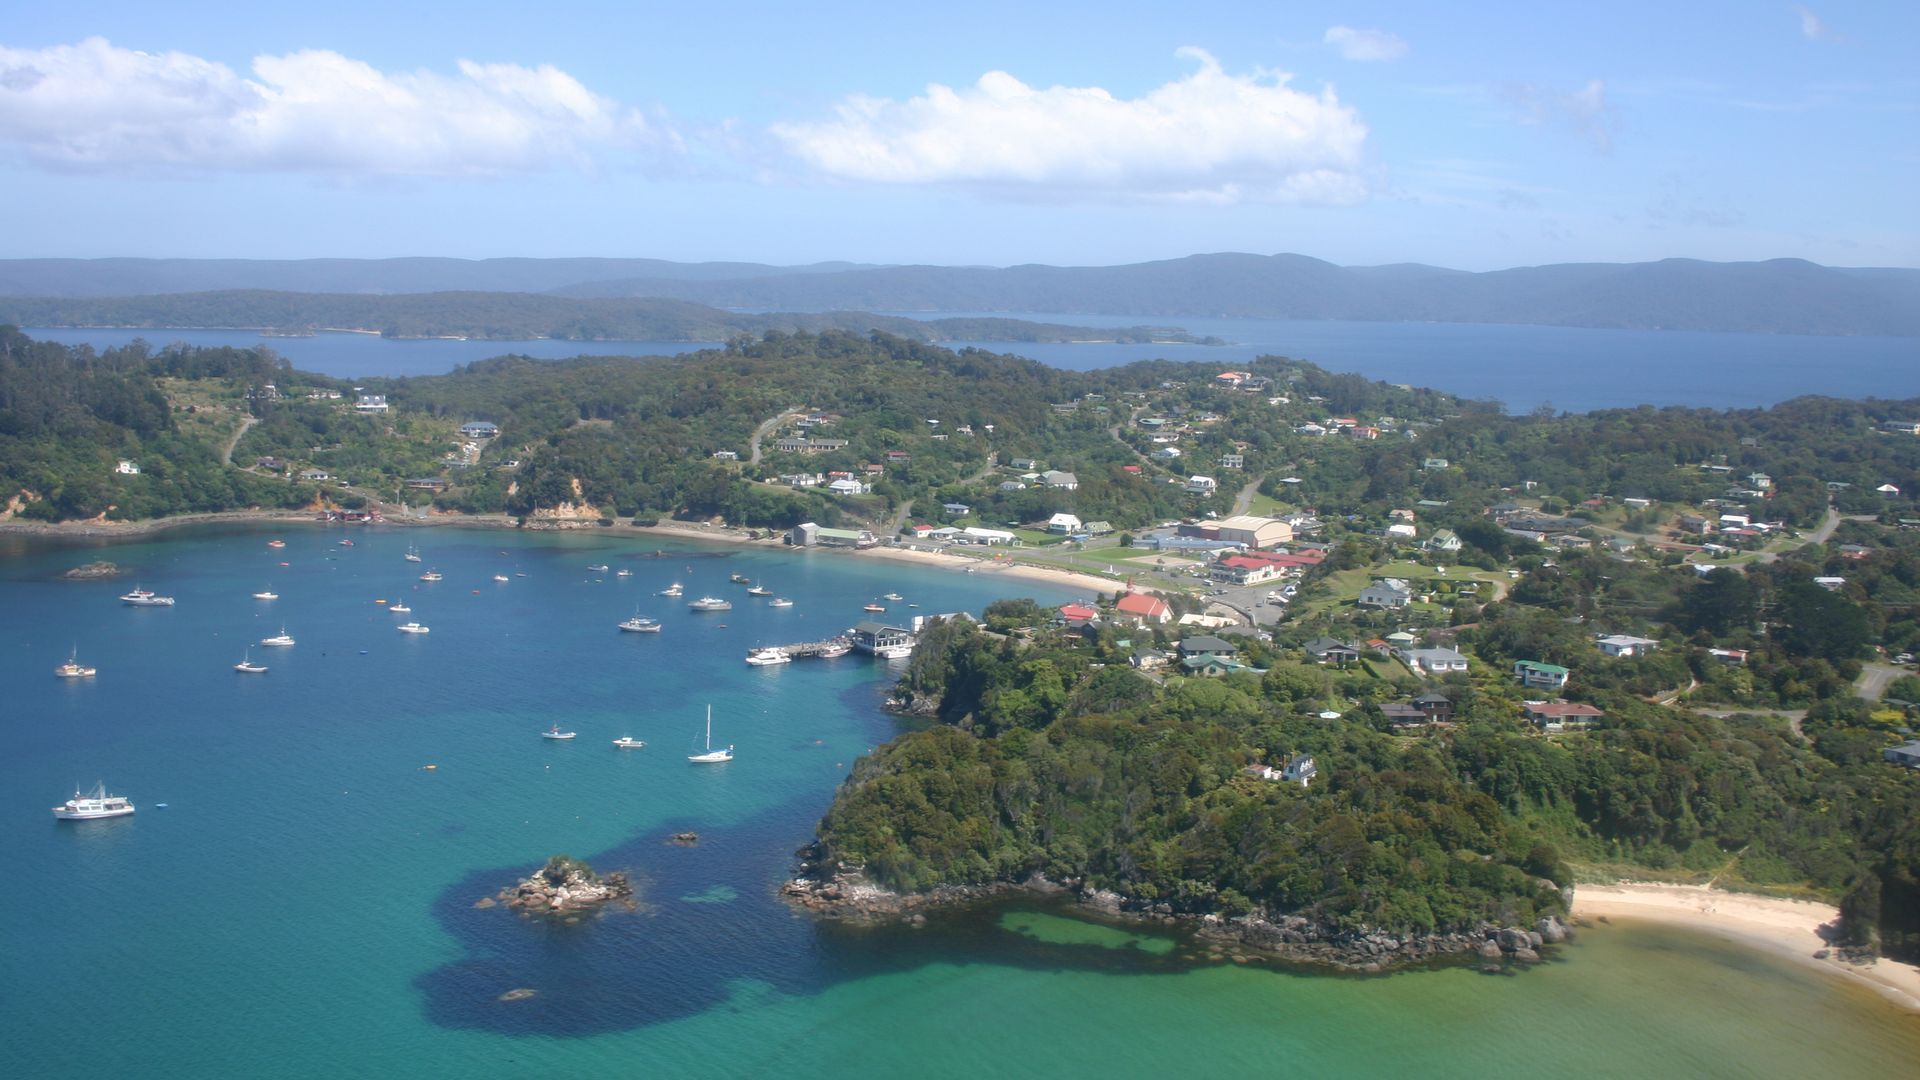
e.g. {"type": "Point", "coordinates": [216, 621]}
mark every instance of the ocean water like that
{"type": "Point", "coordinates": [304, 904]}
{"type": "Point", "coordinates": [1571, 368]}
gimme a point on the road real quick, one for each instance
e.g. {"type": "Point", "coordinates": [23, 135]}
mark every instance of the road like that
{"type": "Point", "coordinates": [1245, 498]}
{"type": "Point", "coordinates": [1819, 535]}
{"type": "Point", "coordinates": [226, 452]}
{"type": "Point", "coordinates": [765, 429]}
{"type": "Point", "coordinates": [1874, 678]}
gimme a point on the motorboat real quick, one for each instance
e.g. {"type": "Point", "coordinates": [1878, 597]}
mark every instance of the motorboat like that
{"type": "Point", "coordinates": [759, 590]}
{"type": "Point", "coordinates": [893, 596]}
{"type": "Point", "coordinates": [779, 601]}
{"type": "Point", "coordinates": [276, 543]}
{"type": "Point", "coordinates": [555, 733]}
{"type": "Point", "coordinates": [400, 608]}
{"type": "Point", "coordinates": [893, 652]}
{"type": "Point", "coordinates": [72, 669]}
{"type": "Point", "coordinates": [346, 543]}
{"type": "Point", "coordinates": [628, 742]}
{"type": "Point", "coordinates": [246, 666]}
{"type": "Point", "coordinates": [279, 640]}
{"type": "Point", "coordinates": [710, 603]}
{"type": "Point", "coordinates": [431, 575]}
{"type": "Point", "coordinates": [501, 578]}
{"type": "Point", "coordinates": [874, 608]}
{"type": "Point", "coordinates": [140, 597]}
{"type": "Point", "coordinates": [671, 590]}
{"type": "Point", "coordinates": [623, 573]}
{"type": "Point", "coordinates": [768, 657]}
{"type": "Point", "coordinates": [94, 804]}
{"type": "Point", "coordinates": [739, 579]}
{"type": "Point", "coordinates": [708, 755]}
{"type": "Point", "coordinates": [412, 555]}
{"type": "Point", "coordinates": [597, 568]}
{"type": "Point", "coordinates": [831, 651]}
{"type": "Point", "coordinates": [266, 594]}
{"type": "Point", "coordinates": [640, 624]}
{"type": "Point", "coordinates": [412, 628]}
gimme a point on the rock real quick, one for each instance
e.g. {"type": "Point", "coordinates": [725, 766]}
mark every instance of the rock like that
{"type": "Point", "coordinates": [1823, 954]}
{"type": "Point", "coordinates": [1535, 939]}
{"type": "Point", "coordinates": [1512, 938]}
{"type": "Point", "coordinates": [485, 902]}
{"type": "Point", "coordinates": [1552, 931]}
{"type": "Point", "coordinates": [1526, 956]}
{"type": "Point", "coordinates": [517, 994]}
{"type": "Point", "coordinates": [93, 571]}
{"type": "Point", "coordinates": [1490, 949]}
{"type": "Point", "coordinates": [684, 839]}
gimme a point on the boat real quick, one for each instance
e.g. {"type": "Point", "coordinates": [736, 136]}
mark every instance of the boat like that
{"type": "Point", "coordinates": [140, 597]}
{"type": "Point", "coordinates": [431, 575]}
{"type": "Point", "coordinates": [346, 543]}
{"type": "Point", "coordinates": [412, 555]}
{"type": "Point", "coordinates": [276, 543]}
{"type": "Point", "coordinates": [640, 624]}
{"type": "Point", "coordinates": [266, 594]}
{"type": "Point", "coordinates": [96, 804]}
{"type": "Point", "coordinates": [671, 590]}
{"type": "Point", "coordinates": [628, 742]}
{"type": "Point", "coordinates": [72, 669]}
{"type": "Point", "coordinates": [555, 733]}
{"type": "Point", "coordinates": [768, 657]}
{"type": "Point", "coordinates": [279, 640]}
{"type": "Point", "coordinates": [501, 577]}
{"type": "Point", "coordinates": [739, 579]}
{"type": "Point", "coordinates": [874, 608]}
{"type": "Point", "coordinates": [597, 568]}
{"type": "Point", "coordinates": [623, 573]}
{"type": "Point", "coordinates": [893, 596]}
{"type": "Point", "coordinates": [779, 601]}
{"type": "Point", "coordinates": [412, 628]}
{"type": "Point", "coordinates": [893, 652]}
{"type": "Point", "coordinates": [400, 608]}
{"type": "Point", "coordinates": [246, 666]}
{"type": "Point", "coordinates": [759, 590]}
{"type": "Point", "coordinates": [832, 651]}
{"type": "Point", "coordinates": [710, 603]}
{"type": "Point", "coordinates": [710, 756]}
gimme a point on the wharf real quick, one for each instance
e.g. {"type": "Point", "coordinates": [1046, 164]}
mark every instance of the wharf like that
{"type": "Point", "coordinates": [830, 647]}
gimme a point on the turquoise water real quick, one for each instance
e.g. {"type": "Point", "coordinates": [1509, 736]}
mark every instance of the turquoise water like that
{"type": "Point", "coordinates": [304, 905]}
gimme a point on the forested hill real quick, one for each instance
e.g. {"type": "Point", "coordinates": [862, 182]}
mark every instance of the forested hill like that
{"type": "Point", "coordinates": [519, 317]}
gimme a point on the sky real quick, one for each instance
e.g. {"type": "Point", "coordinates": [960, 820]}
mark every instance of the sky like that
{"type": "Point", "coordinates": [1471, 135]}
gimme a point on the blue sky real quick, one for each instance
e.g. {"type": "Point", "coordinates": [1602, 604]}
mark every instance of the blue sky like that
{"type": "Point", "coordinates": [1471, 135]}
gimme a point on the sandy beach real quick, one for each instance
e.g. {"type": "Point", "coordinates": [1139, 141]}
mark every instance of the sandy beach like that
{"type": "Point", "coordinates": [1789, 928]}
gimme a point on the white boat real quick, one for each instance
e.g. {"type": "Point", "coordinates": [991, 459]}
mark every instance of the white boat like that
{"type": "Point", "coordinates": [623, 573]}
{"type": "Point", "coordinates": [628, 742]}
{"type": "Point", "coordinates": [246, 666]}
{"type": "Point", "coordinates": [640, 624]}
{"type": "Point", "coordinates": [671, 590]}
{"type": "Point", "coordinates": [279, 640]}
{"type": "Point", "coordinates": [739, 579]}
{"type": "Point", "coordinates": [893, 596]}
{"type": "Point", "coordinates": [555, 733]}
{"type": "Point", "coordinates": [893, 652]}
{"type": "Point", "coordinates": [597, 568]}
{"type": "Point", "coordinates": [710, 756]}
{"type": "Point", "coordinates": [431, 575]}
{"type": "Point", "coordinates": [767, 657]}
{"type": "Point", "coordinates": [400, 609]}
{"type": "Point", "coordinates": [832, 651]}
{"type": "Point", "coordinates": [779, 601]}
{"type": "Point", "coordinates": [412, 628]}
{"type": "Point", "coordinates": [759, 590]}
{"type": "Point", "coordinates": [873, 608]}
{"type": "Point", "coordinates": [96, 804]}
{"type": "Point", "coordinates": [140, 597]}
{"type": "Point", "coordinates": [710, 603]}
{"type": "Point", "coordinates": [412, 555]}
{"type": "Point", "coordinates": [266, 594]}
{"type": "Point", "coordinates": [276, 543]}
{"type": "Point", "coordinates": [501, 577]}
{"type": "Point", "coordinates": [72, 669]}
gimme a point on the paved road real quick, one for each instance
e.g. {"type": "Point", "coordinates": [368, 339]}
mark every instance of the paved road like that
{"type": "Point", "coordinates": [1874, 678]}
{"type": "Point", "coordinates": [766, 428]}
{"type": "Point", "coordinates": [1245, 498]}
{"type": "Point", "coordinates": [1819, 535]}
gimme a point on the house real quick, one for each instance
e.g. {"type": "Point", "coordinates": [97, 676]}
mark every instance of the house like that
{"type": "Point", "coordinates": [315, 475]}
{"type": "Point", "coordinates": [1206, 645]}
{"type": "Point", "coordinates": [990, 537]}
{"type": "Point", "coordinates": [1233, 461]}
{"type": "Point", "coordinates": [1436, 707]}
{"type": "Point", "coordinates": [848, 487]}
{"type": "Point", "coordinates": [127, 468]}
{"type": "Point", "coordinates": [920, 532]}
{"type": "Point", "coordinates": [1632, 503]}
{"type": "Point", "coordinates": [1063, 523]}
{"type": "Point", "coordinates": [1024, 464]}
{"type": "Point", "coordinates": [1434, 464]}
{"type": "Point", "coordinates": [269, 463]}
{"type": "Point", "coordinates": [1400, 530]}
{"type": "Point", "coordinates": [1326, 650]}
{"type": "Point", "coordinates": [1132, 470]}
{"type": "Point", "coordinates": [1099, 528]}
{"type": "Point", "coordinates": [1901, 427]}
{"type": "Point", "coordinates": [1078, 614]}
{"type": "Point", "coordinates": [956, 508]}
{"type": "Point", "coordinates": [1560, 715]}
{"type": "Point", "coordinates": [1012, 485]}
{"type": "Point", "coordinates": [1540, 676]}
{"type": "Point", "coordinates": [1361, 431]}
{"type": "Point", "coordinates": [1831, 584]}
{"type": "Point", "coordinates": [1759, 480]}
{"type": "Point", "coordinates": [809, 534]}
{"type": "Point", "coordinates": [726, 455]}
{"type": "Point", "coordinates": [1729, 656]}
{"type": "Point", "coordinates": [479, 429]}
{"type": "Point", "coordinates": [428, 483]}
{"type": "Point", "coordinates": [1626, 645]}
{"type": "Point", "coordinates": [1143, 608]}
{"type": "Point", "coordinates": [1213, 666]}
{"type": "Point", "coordinates": [874, 638]}
{"type": "Point", "coordinates": [1387, 593]}
{"type": "Point", "coordinates": [1148, 659]}
{"type": "Point", "coordinates": [1443, 540]}
{"type": "Point", "coordinates": [1065, 481]}
{"type": "Point", "coordinates": [1166, 453]}
{"type": "Point", "coordinates": [1906, 756]}
{"type": "Point", "coordinates": [1201, 485]}
{"type": "Point", "coordinates": [1254, 531]}
{"type": "Point", "coordinates": [899, 456]}
{"type": "Point", "coordinates": [1434, 661]}
{"type": "Point", "coordinates": [1296, 770]}
{"type": "Point", "coordinates": [371, 403]}
{"type": "Point", "coordinates": [1888, 490]}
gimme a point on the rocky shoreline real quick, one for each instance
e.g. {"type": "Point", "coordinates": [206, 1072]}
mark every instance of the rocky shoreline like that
{"type": "Point", "coordinates": [564, 888]}
{"type": "Point", "coordinates": [843, 894]}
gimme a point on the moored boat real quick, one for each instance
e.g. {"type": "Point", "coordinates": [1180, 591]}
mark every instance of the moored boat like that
{"type": "Point", "coordinates": [779, 601]}
{"type": "Point", "coordinates": [94, 804]}
{"type": "Point", "coordinates": [412, 628]}
{"type": "Point", "coordinates": [266, 594]}
{"type": "Point", "coordinates": [640, 624]}
{"type": "Point", "coordinates": [276, 543]}
{"type": "Point", "coordinates": [832, 651]}
{"type": "Point", "coordinates": [759, 590]}
{"type": "Point", "coordinates": [671, 590]}
{"type": "Point", "coordinates": [73, 669]}
{"type": "Point", "coordinates": [893, 596]}
{"type": "Point", "coordinates": [140, 597]}
{"type": "Point", "coordinates": [597, 568]}
{"type": "Point", "coordinates": [279, 640]}
{"type": "Point", "coordinates": [246, 666]}
{"type": "Point", "coordinates": [710, 603]}
{"type": "Point", "coordinates": [768, 657]}
{"type": "Point", "coordinates": [431, 575]}
{"type": "Point", "coordinates": [412, 555]}
{"type": "Point", "coordinates": [628, 742]}
{"type": "Point", "coordinates": [400, 609]}
{"type": "Point", "coordinates": [501, 577]}
{"type": "Point", "coordinates": [874, 608]}
{"type": "Point", "coordinates": [739, 579]}
{"type": "Point", "coordinates": [708, 755]}
{"type": "Point", "coordinates": [555, 733]}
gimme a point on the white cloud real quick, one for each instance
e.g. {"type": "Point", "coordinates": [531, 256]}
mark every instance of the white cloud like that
{"type": "Point", "coordinates": [94, 105]}
{"type": "Point", "coordinates": [1585, 111]}
{"type": "Point", "coordinates": [1207, 137]}
{"type": "Point", "coordinates": [1365, 44]}
{"type": "Point", "coordinates": [1811, 26]}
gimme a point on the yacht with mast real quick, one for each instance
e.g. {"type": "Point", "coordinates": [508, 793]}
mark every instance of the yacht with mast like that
{"type": "Point", "coordinates": [640, 624]}
{"type": "Point", "coordinates": [710, 756]}
{"type": "Point", "coordinates": [279, 640]}
{"type": "Point", "coordinates": [95, 804]}
{"type": "Point", "coordinates": [246, 666]}
{"type": "Point", "coordinates": [72, 669]}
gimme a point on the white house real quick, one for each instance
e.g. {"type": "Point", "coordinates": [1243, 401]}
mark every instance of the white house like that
{"type": "Point", "coordinates": [973, 534]}
{"type": "Point", "coordinates": [1400, 530]}
{"type": "Point", "coordinates": [1167, 453]}
{"type": "Point", "coordinates": [1434, 661]}
{"type": "Point", "coordinates": [1065, 481]}
{"type": "Point", "coordinates": [848, 487]}
{"type": "Point", "coordinates": [1887, 489]}
{"type": "Point", "coordinates": [1444, 540]}
{"type": "Point", "coordinates": [127, 468]}
{"type": "Point", "coordinates": [1201, 485]}
{"type": "Point", "coordinates": [1624, 645]}
{"type": "Point", "coordinates": [1063, 523]}
{"type": "Point", "coordinates": [1542, 676]}
{"type": "Point", "coordinates": [1386, 593]}
{"type": "Point", "coordinates": [371, 403]}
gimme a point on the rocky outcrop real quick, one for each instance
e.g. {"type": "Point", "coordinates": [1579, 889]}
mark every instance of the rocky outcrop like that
{"type": "Point", "coordinates": [567, 887]}
{"type": "Point", "coordinates": [93, 571]}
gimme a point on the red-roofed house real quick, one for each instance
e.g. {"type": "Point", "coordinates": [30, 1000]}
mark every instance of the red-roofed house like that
{"type": "Point", "coordinates": [1134, 469]}
{"type": "Point", "coordinates": [1076, 614]}
{"type": "Point", "coordinates": [1557, 715]}
{"type": "Point", "coordinates": [1143, 608]}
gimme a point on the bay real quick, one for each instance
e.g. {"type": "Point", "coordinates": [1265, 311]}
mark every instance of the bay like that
{"type": "Point", "coordinates": [1573, 369]}
{"type": "Point", "coordinates": [305, 903]}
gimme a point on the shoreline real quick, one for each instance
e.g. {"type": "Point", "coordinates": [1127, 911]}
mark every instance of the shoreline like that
{"type": "Point", "coordinates": [1787, 928]}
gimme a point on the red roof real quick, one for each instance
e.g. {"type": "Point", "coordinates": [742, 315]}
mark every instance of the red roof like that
{"type": "Point", "coordinates": [1077, 612]}
{"type": "Point", "coordinates": [1130, 468]}
{"type": "Point", "coordinates": [1560, 708]}
{"type": "Point", "coordinates": [1151, 607]}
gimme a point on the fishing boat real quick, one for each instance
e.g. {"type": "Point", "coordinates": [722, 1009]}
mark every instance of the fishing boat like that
{"type": "Point", "coordinates": [501, 577]}
{"type": "Point", "coordinates": [893, 652]}
{"type": "Point", "coordinates": [412, 628]}
{"type": "Point", "coordinates": [628, 742]}
{"type": "Point", "coordinates": [246, 666]}
{"type": "Point", "coordinates": [708, 755]}
{"type": "Point", "coordinates": [779, 601]}
{"type": "Point", "coordinates": [556, 734]}
{"type": "Point", "coordinates": [140, 597]}
{"type": "Point", "coordinates": [279, 640]}
{"type": "Point", "coordinates": [671, 590]}
{"type": "Point", "coordinates": [893, 596]}
{"type": "Point", "coordinates": [836, 649]}
{"type": "Point", "coordinates": [640, 624]}
{"type": "Point", "coordinates": [768, 657]}
{"type": "Point", "coordinates": [759, 590]}
{"type": "Point", "coordinates": [412, 555]}
{"type": "Point", "coordinates": [873, 608]}
{"type": "Point", "coordinates": [431, 575]}
{"type": "Point", "coordinates": [72, 668]}
{"type": "Point", "coordinates": [710, 603]}
{"type": "Point", "coordinates": [597, 568]}
{"type": "Point", "coordinates": [276, 543]}
{"type": "Point", "coordinates": [96, 804]}
{"type": "Point", "coordinates": [401, 609]}
{"type": "Point", "coordinates": [739, 579]}
{"type": "Point", "coordinates": [266, 594]}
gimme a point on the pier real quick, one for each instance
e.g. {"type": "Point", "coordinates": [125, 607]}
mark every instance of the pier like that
{"type": "Point", "coordinates": [837, 646]}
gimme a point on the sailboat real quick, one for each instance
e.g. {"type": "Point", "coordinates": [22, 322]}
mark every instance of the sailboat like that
{"type": "Point", "coordinates": [709, 755]}
{"type": "Point", "coordinates": [413, 554]}
{"type": "Point", "coordinates": [73, 669]}
{"type": "Point", "coordinates": [246, 666]}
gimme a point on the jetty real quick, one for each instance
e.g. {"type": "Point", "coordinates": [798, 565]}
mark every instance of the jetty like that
{"type": "Point", "coordinates": [836, 646]}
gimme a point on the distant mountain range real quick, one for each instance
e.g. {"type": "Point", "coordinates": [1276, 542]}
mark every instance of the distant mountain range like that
{"type": "Point", "coordinates": [1786, 296]}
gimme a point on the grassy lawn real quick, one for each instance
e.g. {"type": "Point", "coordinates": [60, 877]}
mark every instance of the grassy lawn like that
{"type": "Point", "coordinates": [1264, 505]}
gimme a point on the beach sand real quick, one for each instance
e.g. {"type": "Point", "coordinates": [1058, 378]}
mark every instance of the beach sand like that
{"type": "Point", "coordinates": [1787, 927]}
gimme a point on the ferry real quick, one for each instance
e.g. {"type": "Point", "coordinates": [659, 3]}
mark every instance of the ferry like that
{"type": "Point", "coordinates": [431, 575]}
{"type": "Point", "coordinates": [72, 669]}
{"type": "Point", "coordinates": [280, 640]}
{"type": "Point", "coordinates": [628, 742]}
{"type": "Point", "coordinates": [140, 597]}
{"type": "Point", "coordinates": [98, 804]}
{"type": "Point", "coordinates": [671, 590]}
{"type": "Point", "coordinates": [412, 628]}
{"type": "Point", "coordinates": [779, 601]}
{"type": "Point", "coordinates": [710, 603]}
{"type": "Point", "coordinates": [640, 624]}
{"type": "Point", "coordinates": [767, 657]}
{"type": "Point", "coordinates": [554, 732]}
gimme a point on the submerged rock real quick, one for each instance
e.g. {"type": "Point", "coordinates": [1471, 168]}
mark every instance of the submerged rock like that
{"type": "Point", "coordinates": [684, 839]}
{"type": "Point", "coordinates": [517, 994]}
{"type": "Point", "coordinates": [93, 571]}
